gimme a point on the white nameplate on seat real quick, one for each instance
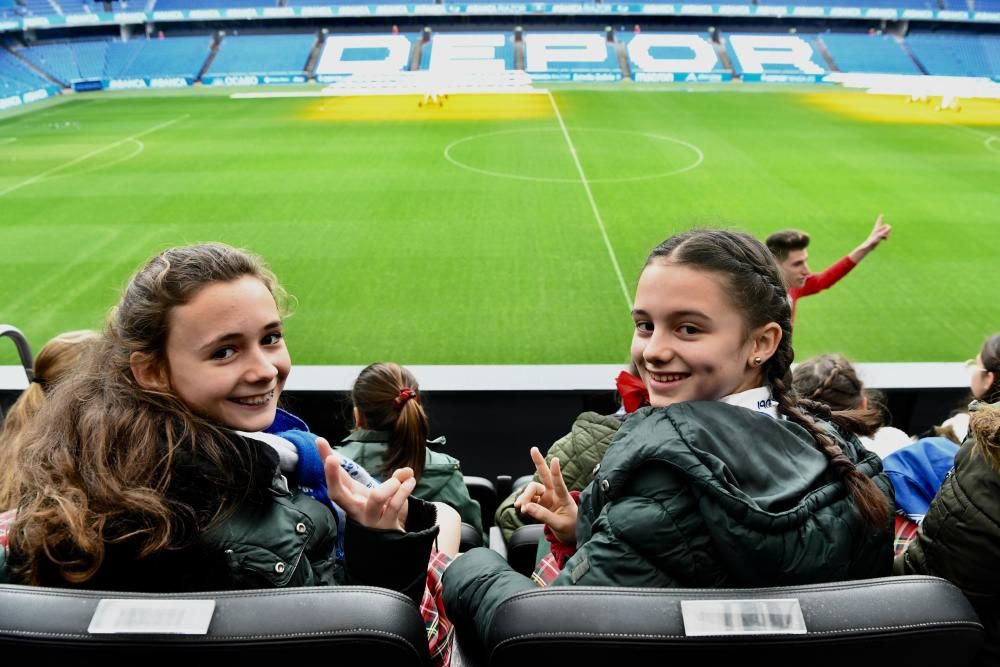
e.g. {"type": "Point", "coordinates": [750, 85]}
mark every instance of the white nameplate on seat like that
{"type": "Point", "coordinates": [155, 617]}
{"type": "Point", "coordinates": [742, 617]}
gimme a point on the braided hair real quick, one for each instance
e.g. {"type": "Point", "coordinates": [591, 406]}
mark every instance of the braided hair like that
{"type": "Point", "coordinates": [830, 379]}
{"type": "Point", "coordinates": [754, 285]}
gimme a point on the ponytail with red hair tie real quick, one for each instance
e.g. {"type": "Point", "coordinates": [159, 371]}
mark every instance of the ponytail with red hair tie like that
{"type": "Point", "coordinates": [405, 394]}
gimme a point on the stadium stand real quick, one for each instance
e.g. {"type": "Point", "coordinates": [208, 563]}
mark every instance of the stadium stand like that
{"type": "Point", "coordinates": [75, 6]}
{"type": "Point", "coordinates": [173, 56]}
{"type": "Point", "coordinates": [263, 54]}
{"type": "Point", "coordinates": [956, 55]}
{"type": "Point", "coordinates": [70, 61]}
{"type": "Point", "coordinates": [868, 53]}
{"type": "Point", "coordinates": [16, 78]}
{"type": "Point", "coordinates": [214, 4]}
{"type": "Point", "coordinates": [38, 7]}
{"type": "Point", "coordinates": [313, 3]}
{"type": "Point", "coordinates": [8, 9]}
{"type": "Point", "coordinates": [880, 4]}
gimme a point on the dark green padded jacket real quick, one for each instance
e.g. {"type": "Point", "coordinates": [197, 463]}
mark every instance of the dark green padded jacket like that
{"type": "Point", "coordinates": [579, 451]}
{"type": "Point", "coordinates": [442, 480]}
{"type": "Point", "coordinates": [277, 537]}
{"type": "Point", "coordinates": [701, 494]}
{"type": "Point", "coordinates": [959, 539]}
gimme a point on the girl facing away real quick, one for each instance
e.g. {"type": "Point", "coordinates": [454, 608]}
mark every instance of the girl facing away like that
{"type": "Point", "coordinates": [390, 433]}
{"type": "Point", "coordinates": [56, 358]}
{"type": "Point", "coordinates": [725, 480]}
{"type": "Point", "coordinates": [143, 471]}
{"type": "Point", "coordinates": [831, 379]}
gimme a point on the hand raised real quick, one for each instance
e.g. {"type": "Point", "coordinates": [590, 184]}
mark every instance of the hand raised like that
{"type": "Point", "coordinates": [384, 507]}
{"type": "Point", "coordinates": [880, 232]}
{"type": "Point", "coordinates": [549, 501]}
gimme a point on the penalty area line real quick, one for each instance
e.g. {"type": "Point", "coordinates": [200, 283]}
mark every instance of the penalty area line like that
{"type": "Point", "coordinates": [88, 155]}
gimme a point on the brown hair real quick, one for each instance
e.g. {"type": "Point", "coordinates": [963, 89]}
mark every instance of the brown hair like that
{"type": "Point", "coordinates": [380, 396]}
{"type": "Point", "coordinates": [103, 463]}
{"type": "Point", "coordinates": [984, 424]}
{"type": "Point", "coordinates": [783, 242]}
{"type": "Point", "coordinates": [755, 287]}
{"type": "Point", "coordinates": [830, 379]}
{"type": "Point", "coordinates": [56, 358]}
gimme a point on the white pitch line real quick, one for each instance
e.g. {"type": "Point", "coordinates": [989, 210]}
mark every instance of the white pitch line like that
{"type": "Point", "coordinates": [593, 204]}
{"type": "Point", "coordinates": [85, 156]}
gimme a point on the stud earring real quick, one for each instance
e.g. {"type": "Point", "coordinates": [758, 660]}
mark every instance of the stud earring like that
{"type": "Point", "coordinates": [757, 361]}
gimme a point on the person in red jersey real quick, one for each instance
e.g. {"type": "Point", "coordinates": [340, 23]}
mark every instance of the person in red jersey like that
{"type": "Point", "coordinates": [789, 249]}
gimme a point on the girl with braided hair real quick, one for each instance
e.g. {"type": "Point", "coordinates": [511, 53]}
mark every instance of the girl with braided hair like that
{"type": "Point", "coordinates": [725, 480]}
{"type": "Point", "coordinates": [390, 433]}
{"type": "Point", "coordinates": [830, 379]}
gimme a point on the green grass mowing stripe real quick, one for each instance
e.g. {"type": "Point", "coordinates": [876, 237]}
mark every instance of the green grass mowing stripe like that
{"type": "Point", "coordinates": [396, 253]}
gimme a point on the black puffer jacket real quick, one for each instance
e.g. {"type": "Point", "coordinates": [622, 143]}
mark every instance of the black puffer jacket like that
{"type": "Point", "coordinates": [959, 539]}
{"type": "Point", "coordinates": [277, 536]}
{"type": "Point", "coordinates": [702, 494]}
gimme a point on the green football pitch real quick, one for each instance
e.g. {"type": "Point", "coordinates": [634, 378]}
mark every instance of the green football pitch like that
{"type": "Point", "coordinates": [505, 229]}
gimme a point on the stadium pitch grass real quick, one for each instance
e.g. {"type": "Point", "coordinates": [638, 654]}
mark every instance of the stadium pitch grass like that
{"type": "Point", "coordinates": [463, 234]}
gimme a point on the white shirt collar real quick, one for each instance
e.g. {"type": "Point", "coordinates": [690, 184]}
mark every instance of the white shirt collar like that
{"type": "Point", "coordinates": [758, 400]}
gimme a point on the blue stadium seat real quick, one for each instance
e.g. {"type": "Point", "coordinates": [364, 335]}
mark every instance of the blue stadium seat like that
{"type": "Point", "coordinates": [956, 55]}
{"type": "Point", "coordinates": [868, 53]}
{"type": "Point", "coordinates": [263, 54]}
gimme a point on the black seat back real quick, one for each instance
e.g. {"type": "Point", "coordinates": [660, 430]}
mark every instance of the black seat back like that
{"type": "Point", "coordinates": [522, 549]}
{"type": "Point", "coordinates": [484, 493]}
{"type": "Point", "coordinates": [375, 626]}
{"type": "Point", "coordinates": [896, 620]}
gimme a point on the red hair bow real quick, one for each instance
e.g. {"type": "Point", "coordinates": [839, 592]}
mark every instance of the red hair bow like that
{"type": "Point", "coordinates": [632, 390]}
{"type": "Point", "coordinates": [405, 394]}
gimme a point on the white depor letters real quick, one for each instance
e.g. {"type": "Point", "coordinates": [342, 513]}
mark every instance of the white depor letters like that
{"type": "Point", "coordinates": [639, 54]}
{"type": "Point", "coordinates": [397, 49]}
{"type": "Point", "coordinates": [756, 51]}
